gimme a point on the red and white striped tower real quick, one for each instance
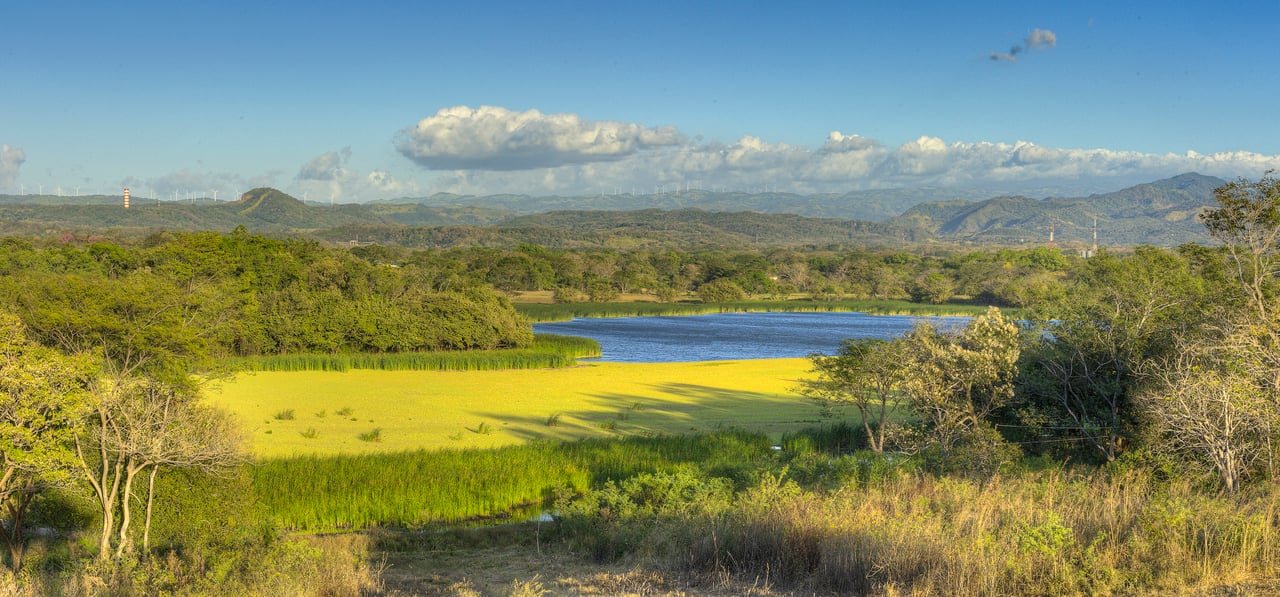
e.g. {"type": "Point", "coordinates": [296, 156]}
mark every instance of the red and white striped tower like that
{"type": "Point", "coordinates": [126, 197]}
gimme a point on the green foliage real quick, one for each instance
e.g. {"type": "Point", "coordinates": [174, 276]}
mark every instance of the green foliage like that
{"type": "Point", "coordinates": [721, 290]}
{"type": "Point", "coordinates": [548, 350]}
{"type": "Point", "coordinates": [416, 488]}
{"type": "Point", "coordinates": [934, 289]}
{"type": "Point", "coordinates": [559, 312]}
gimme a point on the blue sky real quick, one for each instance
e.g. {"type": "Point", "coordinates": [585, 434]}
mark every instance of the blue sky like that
{"type": "Point", "coordinates": [345, 102]}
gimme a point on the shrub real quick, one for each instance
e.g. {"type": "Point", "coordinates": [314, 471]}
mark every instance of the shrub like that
{"type": "Point", "coordinates": [721, 290]}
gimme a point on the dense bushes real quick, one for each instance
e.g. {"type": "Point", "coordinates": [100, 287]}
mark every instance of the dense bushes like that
{"type": "Point", "coordinates": [276, 296]}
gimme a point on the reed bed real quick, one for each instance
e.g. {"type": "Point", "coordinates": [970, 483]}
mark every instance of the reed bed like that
{"type": "Point", "coordinates": [411, 489]}
{"type": "Point", "coordinates": [539, 312]}
{"type": "Point", "coordinates": [547, 351]}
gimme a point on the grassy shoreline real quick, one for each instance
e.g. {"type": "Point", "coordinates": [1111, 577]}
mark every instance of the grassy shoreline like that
{"type": "Point", "coordinates": [543, 312]}
{"type": "Point", "coordinates": [548, 350]}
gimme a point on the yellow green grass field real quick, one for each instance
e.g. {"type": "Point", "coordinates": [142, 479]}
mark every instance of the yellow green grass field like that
{"type": "Point", "coordinates": [482, 409]}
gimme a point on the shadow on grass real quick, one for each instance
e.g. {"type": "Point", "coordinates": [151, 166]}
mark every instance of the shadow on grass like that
{"type": "Point", "coordinates": [672, 409]}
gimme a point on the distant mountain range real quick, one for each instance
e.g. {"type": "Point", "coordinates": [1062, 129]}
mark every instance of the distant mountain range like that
{"type": "Point", "coordinates": [1161, 213]}
{"type": "Point", "coordinates": [1158, 213]}
{"type": "Point", "coordinates": [874, 205]}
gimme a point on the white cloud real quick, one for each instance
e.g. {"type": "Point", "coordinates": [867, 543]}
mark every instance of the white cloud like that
{"type": "Point", "coordinates": [493, 138]}
{"type": "Point", "coordinates": [1041, 38]}
{"type": "Point", "coordinates": [326, 166]}
{"type": "Point", "coordinates": [11, 159]}
{"type": "Point", "coordinates": [328, 176]}
{"type": "Point", "coordinates": [1038, 39]}
{"type": "Point", "coordinates": [845, 162]}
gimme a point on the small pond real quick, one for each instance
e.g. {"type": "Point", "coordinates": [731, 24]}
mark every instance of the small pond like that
{"type": "Point", "coordinates": [734, 336]}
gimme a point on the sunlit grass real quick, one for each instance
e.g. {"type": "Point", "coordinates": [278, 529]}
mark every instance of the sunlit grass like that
{"type": "Point", "coordinates": [485, 409]}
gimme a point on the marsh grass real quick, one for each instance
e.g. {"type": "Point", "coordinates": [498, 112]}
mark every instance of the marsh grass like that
{"type": "Point", "coordinates": [539, 312]}
{"type": "Point", "coordinates": [548, 350]}
{"type": "Point", "coordinates": [410, 489]}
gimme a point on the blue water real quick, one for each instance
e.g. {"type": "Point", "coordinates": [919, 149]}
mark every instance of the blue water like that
{"type": "Point", "coordinates": [734, 336]}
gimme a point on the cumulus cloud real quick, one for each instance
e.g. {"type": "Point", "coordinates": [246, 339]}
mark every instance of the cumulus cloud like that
{"type": "Point", "coordinates": [11, 159]}
{"type": "Point", "coordinates": [494, 138]}
{"type": "Point", "coordinates": [852, 162]}
{"type": "Point", "coordinates": [1038, 39]}
{"type": "Point", "coordinates": [329, 176]}
{"type": "Point", "coordinates": [492, 150]}
{"type": "Point", "coordinates": [326, 166]}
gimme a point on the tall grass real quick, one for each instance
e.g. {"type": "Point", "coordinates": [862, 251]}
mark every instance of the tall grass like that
{"type": "Point", "coordinates": [1049, 533]}
{"type": "Point", "coordinates": [538, 312]}
{"type": "Point", "coordinates": [407, 489]}
{"type": "Point", "coordinates": [548, 350]}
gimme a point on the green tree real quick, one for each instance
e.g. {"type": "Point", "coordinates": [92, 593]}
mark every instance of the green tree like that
{"type": "Point", "coordinates": [865, 374]}
{"type": "Point", "coordinates": [1120, 312]}
{"type": "Point", "coordinates": [935, 288]}
{"type": "Point", "coordinates": [720, 290]}
{"type": "Point", "coordinates": [957, 382]}
{"type": "Point", "coordinates": [149, 337]}
{"type": "Point", "coordinates": [43, 398]}
{"type": "Point", "coordinates": [1247, 222]}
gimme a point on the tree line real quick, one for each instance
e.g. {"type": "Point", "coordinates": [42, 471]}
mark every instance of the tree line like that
{"type": "Point", "coordinates": [1159, 358]}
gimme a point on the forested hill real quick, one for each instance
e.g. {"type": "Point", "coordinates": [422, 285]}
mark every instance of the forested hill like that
{"type": "Point", "coordinates": [649, 228]}
{"type": "Point", "coordinates": [1161, 213]}
{"type": "Point", "coordinates": [259, 210]}
{"type": "Point", "coordinates": [875, 205]}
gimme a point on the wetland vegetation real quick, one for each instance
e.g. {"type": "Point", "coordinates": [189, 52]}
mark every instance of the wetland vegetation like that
{"type": "Point", "coordinates": [1125, 447]}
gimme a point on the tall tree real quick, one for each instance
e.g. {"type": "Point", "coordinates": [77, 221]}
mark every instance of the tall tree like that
{"type": "Point", "coordinates": [865, 374]}
{"type": "Point", "coordinates": [149, 337]}
{"type": "Point", "coordinates": [43, 397]}
{"type": "Point", "coordinates": [1120, 312]}
{"type": "Point", "coordinates": [1247, 221]}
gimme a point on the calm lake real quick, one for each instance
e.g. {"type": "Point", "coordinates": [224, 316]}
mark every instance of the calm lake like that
{"type": "Point", "coordinates": [734, 336]}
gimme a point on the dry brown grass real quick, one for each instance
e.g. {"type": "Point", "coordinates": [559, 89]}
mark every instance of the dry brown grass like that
{"type": "Point", "coordinates": [1050, 533]}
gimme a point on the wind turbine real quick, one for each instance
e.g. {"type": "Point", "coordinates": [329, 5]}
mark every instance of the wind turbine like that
{"type": "Point", "coordinates": [215, 195]}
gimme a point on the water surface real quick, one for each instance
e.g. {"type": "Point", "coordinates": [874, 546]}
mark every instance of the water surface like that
{"type": "Point", "coordinates": [734, 336]}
